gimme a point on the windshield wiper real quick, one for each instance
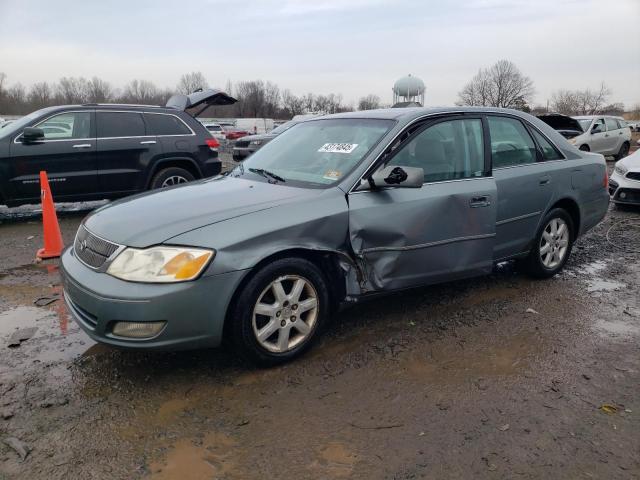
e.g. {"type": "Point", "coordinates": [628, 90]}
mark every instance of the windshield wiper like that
{"type": "Point", "coordinates": [267, 174]}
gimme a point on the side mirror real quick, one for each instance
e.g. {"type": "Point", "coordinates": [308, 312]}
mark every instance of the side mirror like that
{"type": "Point", "coordinates": [596, 129]}
{"type": "Point", "coordinates": [32, 134]}
{"type": "Point", "coordinates": [395, 176]}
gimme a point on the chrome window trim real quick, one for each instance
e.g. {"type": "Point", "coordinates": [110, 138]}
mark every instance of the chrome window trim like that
{"type": "Point", "coordinates": [545, 162]}
{"type": "Point", "coordinates": [427, 183]}
{"type": "Point", "coordinates": [15, 140]}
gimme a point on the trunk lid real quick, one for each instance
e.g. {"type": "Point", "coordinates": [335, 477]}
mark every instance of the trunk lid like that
{"type": "Point", "coordinates": [200, 98]}
{"type": "Point", "coordinates": [567, 126]}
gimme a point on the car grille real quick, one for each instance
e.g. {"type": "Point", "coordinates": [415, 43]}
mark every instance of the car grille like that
{"type": "Point", "coordinates": [633, 176]}
{"type": "Point", "coordinates": [242, 144]}
{"type": "Point", "coordinates": [92, 250]}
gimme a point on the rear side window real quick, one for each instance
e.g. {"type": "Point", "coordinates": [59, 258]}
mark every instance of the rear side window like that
{"type": "Point", "coordinates": [448, 150]}
{"type": "Point", "coordinates": [549, 152]}
{"type": "Point", "coordinates": [166, 124]}
{"type": "Point", "coordinates": [511, 144]}
{"type": "Point", "coordinates": [120, 124]}
{"type": "Point", "coordinates": [622, 124]}
{"type": "Point", "coordinates": [67, 126]}
{"type": "Point", "coordinates": [611, 124]}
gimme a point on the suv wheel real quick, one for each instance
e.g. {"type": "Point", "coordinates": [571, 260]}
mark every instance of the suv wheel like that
{"type": "Point", "coordinates": [280, 311]}
{"type": "Point", "coordinates": [171, 176]}
{"type": "Point", "coordinates": [623, 152]}
{"type": "Point", "coordinates": [552, 245]}
{"type": "Point", "coordinates": [585, 148]}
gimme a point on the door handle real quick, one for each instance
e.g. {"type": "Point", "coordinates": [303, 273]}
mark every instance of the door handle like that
{"type": "Point", "coordinates": [82, 145]}
{"type": "Point", "coordinates": [481, 201]}
{"type": "Point", "coordinates": [148, 142]}
{"type": "Point", "coordinates": [545, 181]}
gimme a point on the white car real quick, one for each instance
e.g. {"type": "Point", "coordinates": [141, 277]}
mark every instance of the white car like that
{"type": "Point", "coordinates": [624, 184]}
{"type": "Point", "coordinates": [603, 134]}
{"type": "Point", "coordinates": [215, 129]}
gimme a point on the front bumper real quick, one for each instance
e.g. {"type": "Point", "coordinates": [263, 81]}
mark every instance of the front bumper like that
{"type": "Point", "coordinates": [194, 311]}
{"type": "Point", "coordinates": [624, 191]}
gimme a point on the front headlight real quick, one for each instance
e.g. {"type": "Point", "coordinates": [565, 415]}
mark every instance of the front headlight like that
{"type": "Point", "coordinates": [160, 264]}
{"type": "Point", "coordinates": [621, 170]}
{"type": "Point", "coordinates": [572, 141]}
{"type": "Point", "coordinates": [255, 142]}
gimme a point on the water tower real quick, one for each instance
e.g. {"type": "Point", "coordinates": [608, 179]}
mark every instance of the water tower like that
{"type": "Point", "coordinates": [408, 92]}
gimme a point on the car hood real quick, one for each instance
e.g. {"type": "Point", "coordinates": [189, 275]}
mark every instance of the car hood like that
{"type": "Point", "coordinates": [155, 217]}
{"type": "Point", "coordinates": [631, 162]}
{"type": "Point", "coordinates": [562, 123]}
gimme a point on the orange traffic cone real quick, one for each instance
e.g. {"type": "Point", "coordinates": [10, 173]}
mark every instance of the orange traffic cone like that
{"type": "Point", "coordinates": [52, 238]}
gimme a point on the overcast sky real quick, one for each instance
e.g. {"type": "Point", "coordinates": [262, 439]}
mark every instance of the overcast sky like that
{"type": "Point", "coordinates": [352, 47]}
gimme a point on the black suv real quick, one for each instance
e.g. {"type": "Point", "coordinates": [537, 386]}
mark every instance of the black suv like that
{"type": "Point", "coordinates": [99, 151]}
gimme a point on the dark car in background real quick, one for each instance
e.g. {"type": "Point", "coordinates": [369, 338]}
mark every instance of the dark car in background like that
{"type": "Point", "coordinates": [249, 144]}
{"type": "Point", "coordinates": [106, 151]}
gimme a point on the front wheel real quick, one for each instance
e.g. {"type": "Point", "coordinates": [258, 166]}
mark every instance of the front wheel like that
{"type": "Point", "coordinates": [552, 245]}
{"type": "Point", "coordinates": [280, 311]}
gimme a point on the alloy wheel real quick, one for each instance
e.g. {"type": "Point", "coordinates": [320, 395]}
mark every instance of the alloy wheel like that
{"type": "Point", "coordinates": [173, 180]}
{"type": "Point", "coordinates": [554, 243]}
{"type": "Point", "coordinates": [285, 313]}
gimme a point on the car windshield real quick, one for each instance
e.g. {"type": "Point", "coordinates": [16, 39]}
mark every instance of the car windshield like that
{"type": "Point", "coordinates": [315, 153]}
{"type": "Point", "coordinates": [584, 123]}
{"type": "Point", "coordinates": [18, 125]}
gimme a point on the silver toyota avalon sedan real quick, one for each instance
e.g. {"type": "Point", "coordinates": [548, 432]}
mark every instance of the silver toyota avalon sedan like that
{"type": "Point", "coordinates": [334, 210]}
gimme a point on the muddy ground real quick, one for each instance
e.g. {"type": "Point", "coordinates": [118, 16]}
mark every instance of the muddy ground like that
{"type": "Point", "coordinates": [496, 377]}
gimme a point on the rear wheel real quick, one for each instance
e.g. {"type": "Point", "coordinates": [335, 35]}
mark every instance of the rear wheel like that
{"type": "Point", "coordinates": [552, 245]}
{"type": "Point", "coordinates": [171, 176]}
{"type": "Point", "coordinates": [280, 312]}
{"type": "Point", "coordinates": [623, 152]}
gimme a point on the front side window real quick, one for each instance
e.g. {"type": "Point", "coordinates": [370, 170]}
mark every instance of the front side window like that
{"type": "Point", "coordinates": [448, 150]}
{"type": "Point", "coordinates": [315, 153]}
{"type": "Point", "coordinates": [598, 125]}
{"type": "Point", "coordinates": [67, 126]}
{"type": "Point", "coordinates": [611, 124]}
{"type": "Point", "coordinates": [166, 125]}
{"type": "Point", "coordinates": [549, 152]}
{"type": "Point", "coordinates": [511, 144]}
{"type": "Point", "coordinates": [120, 124]}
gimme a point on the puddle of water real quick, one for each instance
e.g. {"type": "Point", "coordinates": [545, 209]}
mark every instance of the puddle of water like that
{"type": "Point", "coordinates": [601, 285]}
{"type": "Point", "coordinates": [617, 328]}
{"type": "Point", "coordinates": [188, 461]}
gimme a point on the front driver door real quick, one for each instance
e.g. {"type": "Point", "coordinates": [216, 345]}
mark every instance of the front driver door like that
{"type": "Point", "coordinates": [67, 153]}
{"type": "Point", "coordinates": [406, 237]}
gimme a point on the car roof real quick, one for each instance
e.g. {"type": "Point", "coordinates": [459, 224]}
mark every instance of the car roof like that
{"type": "Point", "coordinates": [411, 113]}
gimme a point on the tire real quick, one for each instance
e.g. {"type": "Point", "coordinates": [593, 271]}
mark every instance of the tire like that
{"type": "Point", "coordinates": [260, 337]}
{"type": "Point", "coordinates": [623, 152]}
{"type": "Point", "coordinates": [585, 148]}
{"type": "Point", "coordinates": [171, 176]}
{"type": "Point", "coordinates": [540, 265]}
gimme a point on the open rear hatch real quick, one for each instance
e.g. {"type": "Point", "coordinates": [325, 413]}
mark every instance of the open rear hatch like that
{"type": "Point", "coordinates": [566, 126]}
{"type": "Point", "coordinates": [198, 101]}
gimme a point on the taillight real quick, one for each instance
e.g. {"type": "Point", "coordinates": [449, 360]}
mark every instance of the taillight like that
{"type": "Point", "coordinates": [212, 143]}
{"type": "Point", "coordinates": [605, 181]}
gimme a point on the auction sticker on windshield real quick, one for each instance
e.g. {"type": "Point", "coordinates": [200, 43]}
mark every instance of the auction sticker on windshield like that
{"type": "Point", "coordinates": [338, 147]}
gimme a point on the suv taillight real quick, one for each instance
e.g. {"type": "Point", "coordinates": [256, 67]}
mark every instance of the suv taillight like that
{"type": "Point", "coordinates": [212, 143]}
{"type": "Point", "coordinates": [605, 181]}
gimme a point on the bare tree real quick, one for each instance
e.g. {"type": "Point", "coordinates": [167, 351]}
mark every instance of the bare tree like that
{"type": "Point", "coordinates": [98, 91]}
{"type": "Point", "coordinates": [370, 102]}
{"type": "Point", "coordinates": [40, 95]}
{"type": "Point", "coordinates": [580, 102]}
{"type": "Point", "coordinates": [15, 99]}
{"type": "Point", "coordinates": [291, 104]}
{"type": "Point", "coordinates": [144, 92]}
{"type": "Point", "coordinates": [190, 82]}
{"type": "Point", "coordinates": [71, 90]}
{"type": "Point", "coordinates": [501, 85]}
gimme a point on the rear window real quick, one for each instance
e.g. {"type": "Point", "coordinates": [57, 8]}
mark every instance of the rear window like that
{"type": "Point", "coordinates": [120, 124]}
{"type": "Point", "coordinates": [161, 124]}
{"type": "Point", "coordinates": [549, 152]}
{"type": "Point", "coordinates": [622, 124]}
